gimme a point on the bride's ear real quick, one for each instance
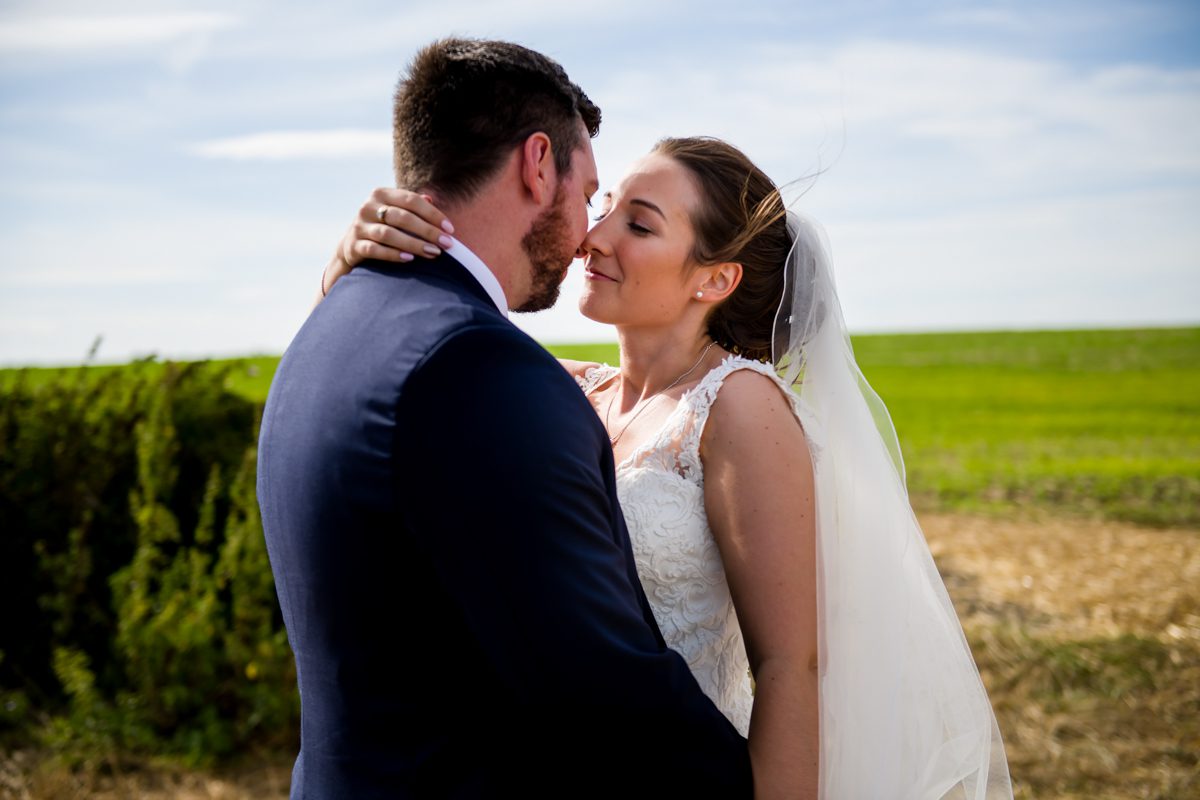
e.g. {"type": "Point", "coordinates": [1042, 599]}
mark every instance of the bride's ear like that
{"type": "Point", "coordinates": [720, 281]}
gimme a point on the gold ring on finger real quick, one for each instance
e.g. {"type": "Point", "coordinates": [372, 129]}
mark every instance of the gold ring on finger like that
{"type": "Point", "coordinates": [381, 214]}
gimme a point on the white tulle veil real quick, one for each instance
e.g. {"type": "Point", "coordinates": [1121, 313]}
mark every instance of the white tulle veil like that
{"type": "Point", "coordinates": [903, 713]}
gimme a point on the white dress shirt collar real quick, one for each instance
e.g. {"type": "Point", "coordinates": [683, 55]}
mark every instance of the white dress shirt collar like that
{"type": "Point", "coordinates": [481, 272]}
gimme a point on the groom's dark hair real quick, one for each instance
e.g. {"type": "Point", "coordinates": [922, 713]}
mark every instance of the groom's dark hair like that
{"type": "Point", "coordinates": [465, 103]}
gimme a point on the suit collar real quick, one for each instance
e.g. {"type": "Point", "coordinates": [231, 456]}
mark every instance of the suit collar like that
{"type": "Point", "coordinates": [442, 267]}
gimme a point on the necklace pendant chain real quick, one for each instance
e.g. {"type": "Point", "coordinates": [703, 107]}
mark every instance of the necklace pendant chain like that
{"type": "Point", "coordinates": [646, 402]}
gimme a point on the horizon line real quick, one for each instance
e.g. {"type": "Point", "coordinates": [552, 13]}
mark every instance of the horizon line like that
{"type": "Point", "coordinates": [191, 358]}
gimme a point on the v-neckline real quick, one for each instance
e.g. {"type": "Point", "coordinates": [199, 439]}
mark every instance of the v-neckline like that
{"type": "Point", "coordinates": [653, 441]}
{"type": "Point", "coordinates": [648, 445]}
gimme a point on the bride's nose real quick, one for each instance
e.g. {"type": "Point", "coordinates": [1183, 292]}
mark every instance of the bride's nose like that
{"type": "Point", "coordinates": [594, 242]}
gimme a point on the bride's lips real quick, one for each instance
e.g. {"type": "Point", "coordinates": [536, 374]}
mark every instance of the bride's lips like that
{"type": "Point", "coordinates": [595, 275]}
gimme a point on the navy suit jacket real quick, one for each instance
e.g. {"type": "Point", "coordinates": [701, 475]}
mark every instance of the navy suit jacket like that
{"type": "Point", "coordinates": [440, 509]}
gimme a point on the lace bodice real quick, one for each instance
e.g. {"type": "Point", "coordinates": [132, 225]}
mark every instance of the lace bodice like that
{"type": "Point", "coordinates": [661, 488]}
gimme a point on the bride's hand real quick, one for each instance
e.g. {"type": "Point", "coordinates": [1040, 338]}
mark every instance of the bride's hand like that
{"type": "Point", "coordinates": [392, 225]}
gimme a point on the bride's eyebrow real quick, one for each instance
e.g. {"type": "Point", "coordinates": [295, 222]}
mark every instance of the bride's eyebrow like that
{"type": "Point", "coordinates": [647, 204]}
{"type": "Point", "coordinates": [637, 201]}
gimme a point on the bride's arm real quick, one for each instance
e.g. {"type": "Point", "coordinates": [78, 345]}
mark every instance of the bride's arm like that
{"type": "Point", "coordinates": [412, 226]}
{"type": "Point", "coordinates": [759, 497]}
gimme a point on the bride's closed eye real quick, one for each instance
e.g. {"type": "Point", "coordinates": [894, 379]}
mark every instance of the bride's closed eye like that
{"type": "Point", "coordinates": [637, 229]}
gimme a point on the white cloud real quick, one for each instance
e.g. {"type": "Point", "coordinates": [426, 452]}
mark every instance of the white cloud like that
{"type": "Point", "coordinates": [57, 276]}
{"type": "Point", "coordinates": [162, 280]}
{"type": "Point", "coordinates": [990, 18]}
{"type": "Point", "coordinates": [1125, 258]}
{"type": "Point", "coordinates": [287, 145]}
{"type": "Point", "coordinates": [1069, 20]}
{"type": "Point", "coordinates": [1024, 117]}
{"type": "Point", "coordinates": [970, 189]}
{"type": "Point", "coordinates": [970, 186]}
{"type": "Point", "coordinates": [974, 125]}
{"type": "Point", "coordinates": [338, 34]}
{"type": "Point", "coordinates": [72, 34]}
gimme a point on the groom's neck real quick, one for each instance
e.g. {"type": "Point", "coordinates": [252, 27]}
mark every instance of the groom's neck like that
{"type": "Point", "coordinates": [492, 224]}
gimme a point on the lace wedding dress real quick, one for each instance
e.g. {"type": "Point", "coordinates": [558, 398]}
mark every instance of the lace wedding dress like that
{"type": "Point", "coordinates": [661, 488]}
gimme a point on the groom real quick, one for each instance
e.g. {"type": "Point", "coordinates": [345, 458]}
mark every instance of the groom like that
{"type": "Point", "coordinates": [438, 497]}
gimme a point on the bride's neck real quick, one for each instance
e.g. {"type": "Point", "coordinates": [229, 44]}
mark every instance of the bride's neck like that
{"type": "Point", "coordinates": [653, 358]}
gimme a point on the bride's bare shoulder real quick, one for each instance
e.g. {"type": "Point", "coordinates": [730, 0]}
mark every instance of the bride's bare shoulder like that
{"type": "Point", "coordinates": [751, 414]}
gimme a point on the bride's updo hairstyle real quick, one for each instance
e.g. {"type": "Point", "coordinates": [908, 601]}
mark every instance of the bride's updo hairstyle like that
{"type": "Point", "coordinates": [742, 219]}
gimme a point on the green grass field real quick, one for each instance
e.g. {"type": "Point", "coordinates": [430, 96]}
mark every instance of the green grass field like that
{"type": "Point", "coordinates": [1103, 423]}
{"type": "Point", "coordinates": [1098, 422]}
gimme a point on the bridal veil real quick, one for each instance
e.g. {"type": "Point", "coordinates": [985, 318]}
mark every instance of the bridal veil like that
{"type": "Point", "coordinates": [903, 713]}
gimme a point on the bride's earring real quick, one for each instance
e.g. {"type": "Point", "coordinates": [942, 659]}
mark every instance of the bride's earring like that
{"type": "Point", "coordinates": [699, 295]}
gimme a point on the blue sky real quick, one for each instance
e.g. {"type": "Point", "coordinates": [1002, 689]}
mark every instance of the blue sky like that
{"type": "Point", "coordinates": [176, 174]}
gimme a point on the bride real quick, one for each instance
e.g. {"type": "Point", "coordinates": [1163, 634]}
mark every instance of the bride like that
{"type": "Point", "coordinates": [761, 481]}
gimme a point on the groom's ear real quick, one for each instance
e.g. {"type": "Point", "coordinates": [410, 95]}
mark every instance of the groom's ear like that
{"type": "Point", "coordinates": [537, 168]}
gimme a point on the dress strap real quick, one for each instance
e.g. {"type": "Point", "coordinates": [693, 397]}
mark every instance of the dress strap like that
{"type": "Point", "coordinates": [596, 376]}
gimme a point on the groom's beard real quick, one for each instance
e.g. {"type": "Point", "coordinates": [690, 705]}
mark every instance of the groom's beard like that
{"type": "Point", "coordinates": [550, 250]}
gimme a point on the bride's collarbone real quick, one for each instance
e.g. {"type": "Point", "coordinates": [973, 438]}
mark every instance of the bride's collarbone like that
{"type": "Point", "coordinates": [642, 423]}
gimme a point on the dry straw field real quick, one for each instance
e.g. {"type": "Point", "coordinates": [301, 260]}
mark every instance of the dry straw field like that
{"type": "Point", "coordinates": [1087, 635]}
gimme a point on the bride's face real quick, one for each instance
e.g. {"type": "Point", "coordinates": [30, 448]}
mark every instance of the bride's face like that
{"type": "Point", "coordinates": [636, 255]}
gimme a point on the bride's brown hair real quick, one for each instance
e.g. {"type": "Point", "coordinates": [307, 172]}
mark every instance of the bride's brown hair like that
{"type": "Point", "coordinates": [742, 219]}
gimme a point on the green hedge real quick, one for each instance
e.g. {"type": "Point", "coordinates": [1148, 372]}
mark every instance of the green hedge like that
{"type": "Point", "coordinates": [139, 611]}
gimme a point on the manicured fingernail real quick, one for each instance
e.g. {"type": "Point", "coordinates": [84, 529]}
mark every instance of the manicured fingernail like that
{"type": "Point", "coordinates": [406, 256]}
{"type": "Point", "coordinates": [447, 227]}
{"type": "Point", "coordinates": [446, 241]}
{"type": "Point", "coordinates": [433, 251]}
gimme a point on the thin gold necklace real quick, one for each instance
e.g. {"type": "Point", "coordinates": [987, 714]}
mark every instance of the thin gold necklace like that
{"type": "Point", "coordinates": [646, 402]}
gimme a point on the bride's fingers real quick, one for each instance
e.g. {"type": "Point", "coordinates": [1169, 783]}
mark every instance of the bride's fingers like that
{"type": "Point", "coordinates": [420, 207]}
{"type": "Point", "coordinates": [397, 239]}
{"type": "Point", "coordinates": [364, 249]}
{"type": "Point", "coordinates": [396, 225]}
{"type": "Point", "coordinates": [420, 204]}
{"type": "Point", "coordinates": [392, 220]}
